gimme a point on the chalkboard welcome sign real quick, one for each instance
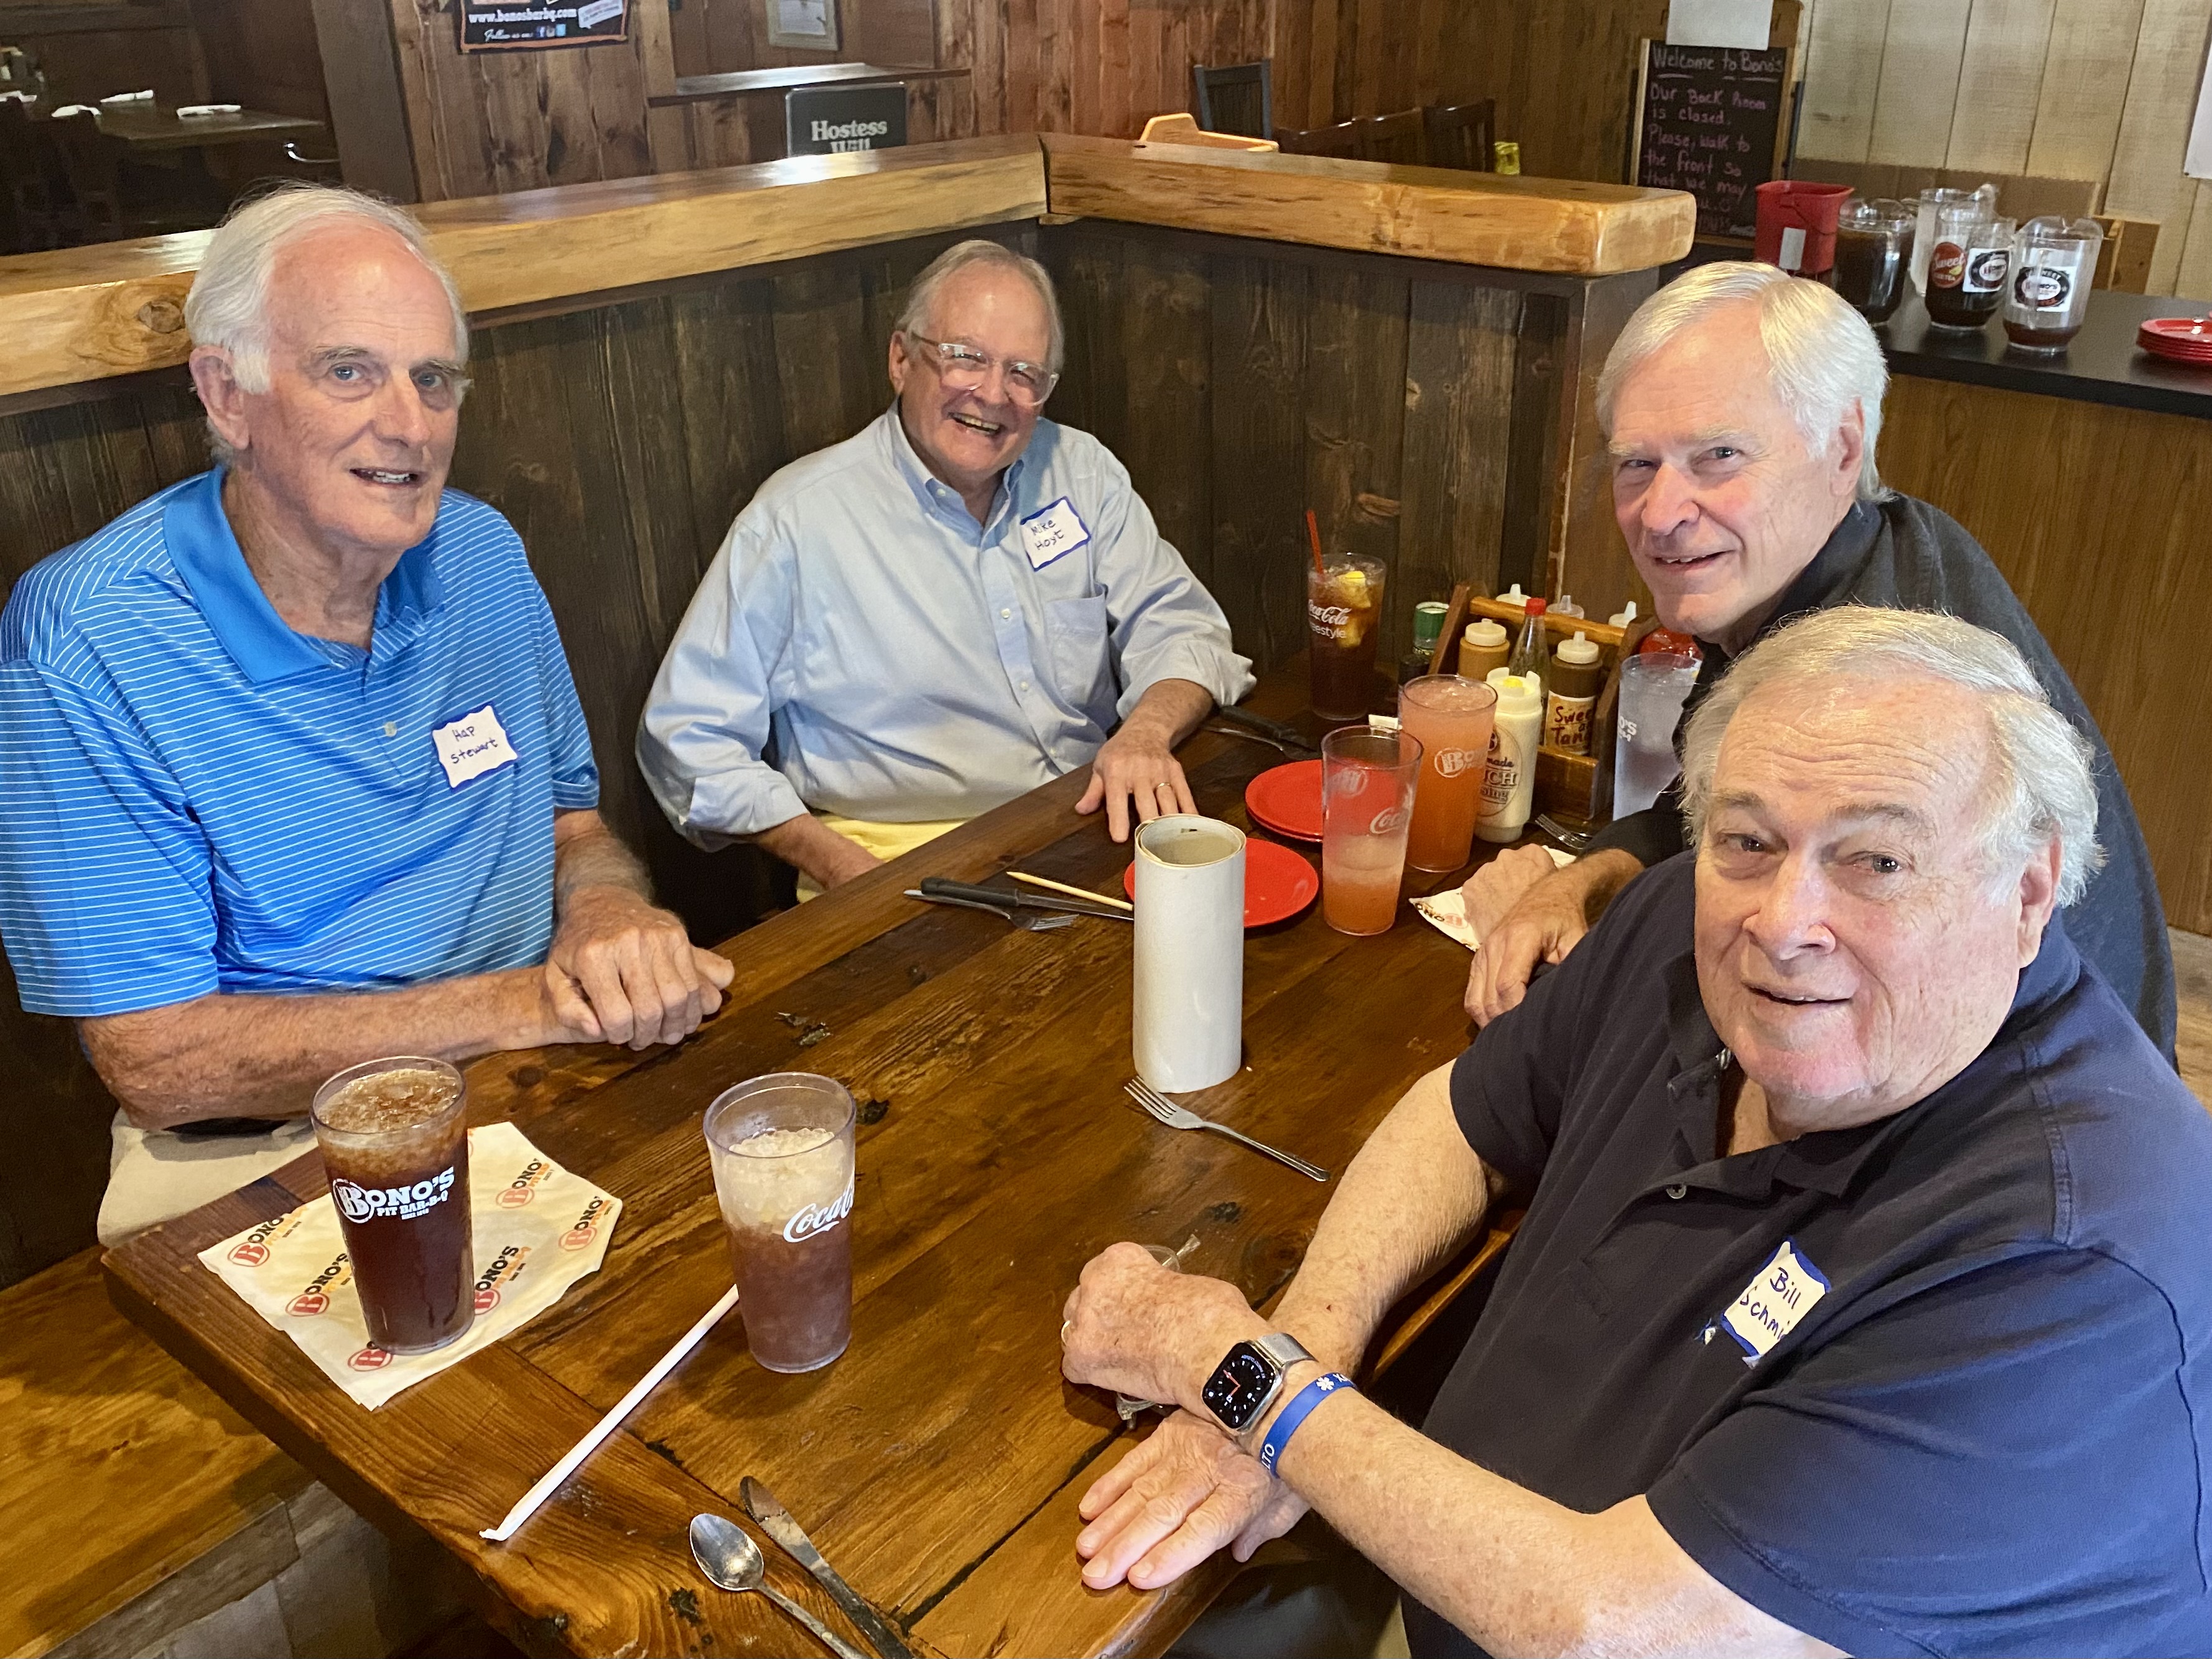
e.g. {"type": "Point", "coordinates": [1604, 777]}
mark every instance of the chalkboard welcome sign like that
{"type": "Point", "coordinates": [1709, 120]}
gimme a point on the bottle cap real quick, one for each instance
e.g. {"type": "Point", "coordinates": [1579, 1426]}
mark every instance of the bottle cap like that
{"type": "Point", "coordinates": [1485, 635]}
{"type": "Point", "coordinates": [1580, 650]}
{"type": "Point", "coordinates": [1625, 617]}
{"type": "Point", "coordinates": [1429, 621]}
{"type": "Point", "coordinates": [1512, 687]}
{"type": "Point", "coordinates": [1513, 595]}
{"type": "Point", "coordinates": [1567, 607]}
{"type": "Point", "coordinates": [1535, 607]}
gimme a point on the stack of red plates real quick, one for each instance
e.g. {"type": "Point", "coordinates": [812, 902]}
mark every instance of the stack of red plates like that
{"type": "Point", "coordinates": [2177, 339]}
{"type": "Point", "coordinates": [1285, 800]}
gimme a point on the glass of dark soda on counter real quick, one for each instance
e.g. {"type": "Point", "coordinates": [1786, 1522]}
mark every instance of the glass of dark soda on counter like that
{"type": "Point", "coordinates": [1344, 614]}
{"type": "Point", "coordinates": [782, 1150]}
{"type": "Point", "coordinates": [1874, 247]}
{"type": "Point", "coordinates": [2053, 265]}
{"type": "Point", "coordinates": [395, 1143]}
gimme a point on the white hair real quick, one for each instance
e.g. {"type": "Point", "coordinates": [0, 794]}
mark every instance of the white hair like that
{"type": "Point", "coordinates": [1824, 356]}
{"type": "Point", "coordinates": [2042, 764]}
{"type": "Point", "coordinates": [228, 304]}
{"type": "Point", "coordinates": [922, 297]}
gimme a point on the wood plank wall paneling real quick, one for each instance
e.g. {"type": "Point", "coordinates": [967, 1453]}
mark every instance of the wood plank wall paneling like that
{"type": "Point", "coordinates": [86, 64]}
{"type": "Point", "coordinates": [1562, 71]}
{"type": "Point", "coordinates": [2100, 89]}
{"type": "Point", "coordinates": [1242, 388]}
{"type": "Point", "coordinates": [2100, 562]}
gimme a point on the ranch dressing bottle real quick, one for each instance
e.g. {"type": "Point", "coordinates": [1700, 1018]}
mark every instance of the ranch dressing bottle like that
{"type": "Point", "coordinates": [1509, 783]}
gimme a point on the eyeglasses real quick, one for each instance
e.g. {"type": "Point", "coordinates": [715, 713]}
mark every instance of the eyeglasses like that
{"type": "Point", "coordinates": [964, 368]}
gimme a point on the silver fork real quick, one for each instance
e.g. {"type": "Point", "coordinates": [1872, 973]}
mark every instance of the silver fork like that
{"type": "Point", "coordinates": [1030, 921]}
{"type": "Point", "coordinates": [1181, 1117]}
{"type": "Point", "coordinates": [1574, 841]}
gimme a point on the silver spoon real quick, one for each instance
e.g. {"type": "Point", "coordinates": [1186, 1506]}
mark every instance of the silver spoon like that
{"type": "Point", "coordinates": [731, 1561]}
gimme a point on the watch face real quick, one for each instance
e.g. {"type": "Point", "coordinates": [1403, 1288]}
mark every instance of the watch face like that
{"type": "Point", "coordinates": [1239, 1387]}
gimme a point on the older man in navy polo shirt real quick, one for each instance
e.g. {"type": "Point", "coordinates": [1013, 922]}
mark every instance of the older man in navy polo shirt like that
{"type": "Point", "coordinates": [1861, 1302]}
{"type": "Point", "coordinates": [292, 771]}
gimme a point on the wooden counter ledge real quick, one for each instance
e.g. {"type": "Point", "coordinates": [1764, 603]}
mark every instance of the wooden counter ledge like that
{"type": "Point", "coordinates": [88, 313]}
{"type": "Point", "coordinates": [1560, 225]}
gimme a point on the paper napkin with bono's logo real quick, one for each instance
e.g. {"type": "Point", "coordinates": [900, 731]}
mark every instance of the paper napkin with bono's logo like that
{"type": "Point", "coordinates": [537, 1229]}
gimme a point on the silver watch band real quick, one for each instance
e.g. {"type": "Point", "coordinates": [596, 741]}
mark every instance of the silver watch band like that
{"type": "Point", "coordinates": [1283, 1348]}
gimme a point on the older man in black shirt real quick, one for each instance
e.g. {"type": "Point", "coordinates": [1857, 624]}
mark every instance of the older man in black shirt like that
{"type": "Point", "coordinates": [1862, 1298]}
{"type": "Point", "coordinates": [1742, 406]}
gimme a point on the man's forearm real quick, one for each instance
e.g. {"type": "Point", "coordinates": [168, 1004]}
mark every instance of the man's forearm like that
{"type": "Point", "coordinates": [1413, 1194]}
{"type": "Point", "coordinates": [1170, 710]}
{"type": "Point", "coordinates": [813, 847]}
{"type": "Point", "coordinates": [587, 854]}
{"type": "Point", "coordinates": [264, 1056]}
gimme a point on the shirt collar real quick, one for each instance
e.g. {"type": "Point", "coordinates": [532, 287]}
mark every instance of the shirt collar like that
{"type": "Point", "coordinates": [206, 550]}
{"type": "Point", "coordinates": [929, 489]}
{"type": "Point", "coordinates": [1827, 1160]}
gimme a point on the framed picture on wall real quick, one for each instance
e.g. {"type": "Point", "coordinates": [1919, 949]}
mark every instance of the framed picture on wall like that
{"type": "Point", "coordinates": [809, 25]}
{"type": "Point", "coordinates": [510, 26]}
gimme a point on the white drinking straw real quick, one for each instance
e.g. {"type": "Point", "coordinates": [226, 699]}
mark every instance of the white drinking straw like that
{"type": "Point", "coordinates": [606, 1425]}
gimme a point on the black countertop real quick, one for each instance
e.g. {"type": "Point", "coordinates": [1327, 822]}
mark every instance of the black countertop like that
{"type": "Point", "coordinates": [2102, 364]}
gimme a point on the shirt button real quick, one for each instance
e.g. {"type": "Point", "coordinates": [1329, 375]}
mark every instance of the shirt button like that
{"type": "Point", "coordinates": [1025, 685]}
{"type": "Point", "coordinates": [1678, 1190]}
{"type": "Point", "coordinates": [1004, 615]}
{"type": "Point", "coordinates": [390, 729]}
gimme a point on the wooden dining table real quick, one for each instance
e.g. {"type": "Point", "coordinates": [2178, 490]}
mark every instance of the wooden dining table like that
{"type": "Point", "coordinates": [149, 128]}
{"type": "Point", "coordinates": [938, 1463]}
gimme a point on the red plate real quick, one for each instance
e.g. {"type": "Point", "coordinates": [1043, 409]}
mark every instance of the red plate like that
{"type": "Point", "coordinates": [2177, 339]}
{"type": "Point", "coordinates": [1286, 800]}
{"type": "Point", "coordinates": [1278, 883]}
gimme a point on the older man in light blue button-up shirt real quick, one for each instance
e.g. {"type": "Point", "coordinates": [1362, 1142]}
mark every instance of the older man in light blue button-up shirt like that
{"type": "Point", "coordinates": [960, 603]}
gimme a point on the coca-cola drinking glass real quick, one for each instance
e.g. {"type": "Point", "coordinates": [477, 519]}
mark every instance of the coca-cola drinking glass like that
{"type": "Point", "coordinates": [783, 1152]}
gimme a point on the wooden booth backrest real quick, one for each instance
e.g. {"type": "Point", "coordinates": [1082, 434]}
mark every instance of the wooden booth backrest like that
{"type": "Point", "coordinates": [1427, 409]}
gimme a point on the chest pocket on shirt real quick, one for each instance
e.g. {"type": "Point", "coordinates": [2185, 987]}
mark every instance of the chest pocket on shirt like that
{"type": "Point", "coordinates": [1082, 665]}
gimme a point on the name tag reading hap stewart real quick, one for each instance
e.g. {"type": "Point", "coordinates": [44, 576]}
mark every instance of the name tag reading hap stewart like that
{"type": "Point", "coordinates": [1053, 533]}
{"type": "Point", "coordinates": [473, 747]}
{"type": "Point", "coordinates": [1779, 1295]}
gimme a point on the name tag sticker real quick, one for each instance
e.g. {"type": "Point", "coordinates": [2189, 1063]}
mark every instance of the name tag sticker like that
{"type": "Point", "coordinates": [473, 747]}
{"type": "Point", "coordinates": [1782, 1293]}
{"type": "Point", "coordinates": [1054, 533]}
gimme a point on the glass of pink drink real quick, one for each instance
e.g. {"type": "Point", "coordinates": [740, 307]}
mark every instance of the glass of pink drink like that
{"type": "Point", "coordinates": [1368, 780]}
{"type": "Point", "coordinates": [1452, 717]}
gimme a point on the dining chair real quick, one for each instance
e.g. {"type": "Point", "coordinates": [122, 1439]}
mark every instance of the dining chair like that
{"type": "Point", "coordinates": [1460, 135]}
{"type": "Point", "coordinates": [1341, 141]}
{"type": "Point", "coordinates": [1234, 97]}
{"type": "Point", "coordinates": [1401, 137]}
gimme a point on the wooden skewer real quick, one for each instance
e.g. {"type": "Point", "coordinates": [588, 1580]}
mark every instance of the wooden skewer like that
{"type": "Point", "coordinates": [1073, 892]}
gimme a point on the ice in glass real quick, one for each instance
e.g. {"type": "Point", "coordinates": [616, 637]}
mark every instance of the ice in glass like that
{"type": "Point", "coordinates": [1344, 610]}
{"type": "Point", "coordinates": [1452, 718]}
{"type": "Point", "coordinates": [783, 1152]}
{"type": "Point", "coordinates": [394, 1138]}
{"type": "Point", "coordinates": [1368, 780]}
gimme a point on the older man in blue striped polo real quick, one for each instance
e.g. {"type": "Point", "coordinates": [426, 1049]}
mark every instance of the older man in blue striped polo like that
{"type": "Point", "coordinates": [292, 770]}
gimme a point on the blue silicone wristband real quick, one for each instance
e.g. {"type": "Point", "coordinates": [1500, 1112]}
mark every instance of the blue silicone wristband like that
{"type": "Point", "coordinates": [1301, 1407]}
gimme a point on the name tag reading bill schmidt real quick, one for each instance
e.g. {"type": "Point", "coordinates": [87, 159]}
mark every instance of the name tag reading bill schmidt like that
{"type": "Point", "coordinates": [1053, 533]}
{"type": "Point", "coordinates": [1782, 1293]}
{"type": "Point", "coordinates": [473, 747]}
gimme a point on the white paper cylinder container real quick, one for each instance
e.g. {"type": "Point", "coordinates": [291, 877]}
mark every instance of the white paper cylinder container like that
{"type": "Point", "coordinates": [1189, 1022]}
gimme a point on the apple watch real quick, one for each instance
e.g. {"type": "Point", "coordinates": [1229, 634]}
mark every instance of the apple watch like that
{"type": "Point", "coordinates": [1245, 1384]}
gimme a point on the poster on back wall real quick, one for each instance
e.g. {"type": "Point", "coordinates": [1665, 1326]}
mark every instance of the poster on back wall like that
{"type": "Point", "coordinates": [525, 25]}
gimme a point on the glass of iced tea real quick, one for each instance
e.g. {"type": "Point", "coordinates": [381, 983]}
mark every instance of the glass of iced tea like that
{"type": "Point", "coordinates": [1344, 611]}
{"type": "Point", "coordinates": [394, 1135]}
{"type": "Point", "coordinates": [1452, 717]}
{"type": "Point", "coordinates": [1368, 780]}
{"type": "Point", "coordinates": [783, 1152]}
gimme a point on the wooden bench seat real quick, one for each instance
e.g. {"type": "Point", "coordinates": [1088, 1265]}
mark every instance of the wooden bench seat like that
{"type": "Point", "coordinates": [137, 1501]}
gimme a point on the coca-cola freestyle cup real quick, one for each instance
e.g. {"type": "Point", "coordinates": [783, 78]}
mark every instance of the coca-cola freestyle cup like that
{"type": "Point", "coordinates": [783, 1152]}
{"type": "Point", "coordinates": [395, 1142]}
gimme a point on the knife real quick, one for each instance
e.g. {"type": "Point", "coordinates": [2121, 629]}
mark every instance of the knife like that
{"type": "Point", "coordinates": [776, 1521]}
{"type": "Point", "coordinates": [1009, 899]}
{"type": "Point", "coordinates": [1281, 731]}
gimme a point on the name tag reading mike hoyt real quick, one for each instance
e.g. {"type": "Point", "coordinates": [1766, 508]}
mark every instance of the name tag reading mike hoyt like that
{"type": "Point", "coordinates": [473, 747]}
{"type": "Point", "coordinates": [1053, 533]}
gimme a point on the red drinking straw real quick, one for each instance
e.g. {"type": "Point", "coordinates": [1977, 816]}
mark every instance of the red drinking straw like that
{"type": "Point", "coordinates": [1313, 532]}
